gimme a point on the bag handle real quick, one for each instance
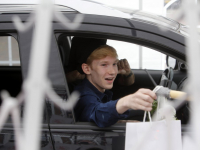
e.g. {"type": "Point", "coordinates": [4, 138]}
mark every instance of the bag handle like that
{"type": "Point", "coordinates": [148, 115]}
{"type": "Point", "coordinates": [158, 105]}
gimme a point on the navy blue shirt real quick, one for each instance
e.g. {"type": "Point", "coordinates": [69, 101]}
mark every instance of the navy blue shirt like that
{"type": "Point", "coordinates": [95, 106]}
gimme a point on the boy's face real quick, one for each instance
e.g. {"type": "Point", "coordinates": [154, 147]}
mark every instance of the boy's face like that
{"type": "Point", "coordinates": [103, 73]}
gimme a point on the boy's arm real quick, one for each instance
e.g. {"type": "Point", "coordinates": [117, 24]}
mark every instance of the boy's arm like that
{"type": "Point", "coordinates": [90, 109]}
{"type": "Point", "coordinates": [106, 114]}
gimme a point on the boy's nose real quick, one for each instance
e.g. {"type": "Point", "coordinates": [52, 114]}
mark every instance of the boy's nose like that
{"type": "Point", "coordinates": [112, 70]}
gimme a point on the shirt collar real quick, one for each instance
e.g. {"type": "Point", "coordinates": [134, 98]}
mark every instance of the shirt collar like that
{"type": "Point", "coordinates": [101, 95]}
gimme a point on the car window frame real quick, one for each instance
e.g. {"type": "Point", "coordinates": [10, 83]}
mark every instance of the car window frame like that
{"type": "Point", "coordinates": [88, 125]}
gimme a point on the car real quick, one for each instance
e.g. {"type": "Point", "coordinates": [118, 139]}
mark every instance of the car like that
{"type": "Point", "coordinates": [145, 40]}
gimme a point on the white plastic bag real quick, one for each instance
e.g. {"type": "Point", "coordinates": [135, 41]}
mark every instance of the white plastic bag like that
{"type": "Point", "coordinates": [159, 135]}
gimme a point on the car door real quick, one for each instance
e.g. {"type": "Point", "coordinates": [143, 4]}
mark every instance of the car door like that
{"type": "Point", "coordinates": [68, 132]}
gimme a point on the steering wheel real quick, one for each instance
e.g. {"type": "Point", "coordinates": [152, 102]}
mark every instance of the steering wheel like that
{"type": "Point", "coordinates": [166, 79]}
{"type": "Point", "coordinates": [183, 113]}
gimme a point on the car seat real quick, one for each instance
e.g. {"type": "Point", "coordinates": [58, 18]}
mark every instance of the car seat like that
{"type": "Point", "coordinates": [64, 43]}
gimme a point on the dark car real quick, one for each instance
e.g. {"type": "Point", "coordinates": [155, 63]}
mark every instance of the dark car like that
{"type": "Point", "coordinates": [144, 40]}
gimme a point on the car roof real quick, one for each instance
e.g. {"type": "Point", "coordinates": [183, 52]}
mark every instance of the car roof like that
{"type": "Point", "coordinates": [82, 6]}
{"type": "Point", "coordinates": [90, 7]}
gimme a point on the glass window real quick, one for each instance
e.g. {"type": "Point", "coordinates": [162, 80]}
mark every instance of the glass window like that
{"type": "Point", "coordinates": [9, 51]}
{"type": "Point", "coordinates": [152, 59]}
{"type": "Point", "coordinates": [139, 57]}
{"type": "Point", "coordinates": [126, 50]}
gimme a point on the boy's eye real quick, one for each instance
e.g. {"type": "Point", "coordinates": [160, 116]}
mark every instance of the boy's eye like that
{"type": "Point", "coordinates": [114, 64]}
{"type": "Point", "coordinates": [103, 64]}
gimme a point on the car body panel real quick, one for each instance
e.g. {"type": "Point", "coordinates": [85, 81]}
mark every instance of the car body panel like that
{"type": "Point", "coordinates": [130, 30]}
{"type": "Point", "coordinates": [90, 7]}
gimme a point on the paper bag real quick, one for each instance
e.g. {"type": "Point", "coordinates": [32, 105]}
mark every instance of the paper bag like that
{"type": "Point", "coordinates": [159, 135]}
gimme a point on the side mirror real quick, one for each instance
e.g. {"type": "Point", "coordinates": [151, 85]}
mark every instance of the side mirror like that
{"type": "Point", "coordinates": [171, 62]}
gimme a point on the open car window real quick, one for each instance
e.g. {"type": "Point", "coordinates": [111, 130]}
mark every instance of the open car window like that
{"type": "Point", "coordinates": [139, 58]}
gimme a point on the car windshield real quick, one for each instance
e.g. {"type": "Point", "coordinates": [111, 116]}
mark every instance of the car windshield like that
{"type": "Point", "coordinates": [155, 19]}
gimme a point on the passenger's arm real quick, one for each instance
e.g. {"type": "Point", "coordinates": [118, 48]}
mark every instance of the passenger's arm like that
{"type": "Point", "coordinates": [126, 76]}
{"type": "Point", "coordinates": [74, 76]}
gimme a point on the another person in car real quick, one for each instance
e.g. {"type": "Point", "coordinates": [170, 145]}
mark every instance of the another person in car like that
{"type": "Point", "coordinates": [95, 103]}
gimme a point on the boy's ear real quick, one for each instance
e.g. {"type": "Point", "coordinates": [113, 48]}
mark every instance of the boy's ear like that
{"type": "Point", "coordinates": [86, 68]}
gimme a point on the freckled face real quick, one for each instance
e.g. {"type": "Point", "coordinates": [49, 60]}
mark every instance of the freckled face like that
{"type": "Point", "coordinates": [103, 73]}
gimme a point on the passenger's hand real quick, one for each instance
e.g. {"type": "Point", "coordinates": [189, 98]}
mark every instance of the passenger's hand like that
{"type": "Point", "coordinates": [123, 67]}
{"type": "Point", "coordinates": [141, 100]}
{"type": "Point", "coordinates": [126, 76]}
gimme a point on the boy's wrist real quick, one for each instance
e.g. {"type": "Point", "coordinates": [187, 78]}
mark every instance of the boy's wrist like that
{"type": "Point", "coordinates": [122, 105]}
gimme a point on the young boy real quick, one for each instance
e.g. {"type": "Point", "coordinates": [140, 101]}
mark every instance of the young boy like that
{"type": "Point", "coordinates": [95, 104]}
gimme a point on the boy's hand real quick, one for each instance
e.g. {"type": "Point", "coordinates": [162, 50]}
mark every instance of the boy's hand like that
{"type": "Point", "coordinates": [141, 100]}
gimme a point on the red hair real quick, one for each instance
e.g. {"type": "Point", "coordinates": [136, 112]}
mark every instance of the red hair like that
{"type": "Point", "coordinates": [101, 52]}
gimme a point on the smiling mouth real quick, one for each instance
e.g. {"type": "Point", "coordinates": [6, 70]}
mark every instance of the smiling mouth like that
{"type": "Point", "coordinates": [110, 79]}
